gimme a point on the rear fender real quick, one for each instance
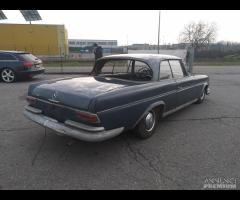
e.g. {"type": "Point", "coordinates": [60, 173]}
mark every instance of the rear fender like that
{"type": "Point", "coordinates": [150, 107]}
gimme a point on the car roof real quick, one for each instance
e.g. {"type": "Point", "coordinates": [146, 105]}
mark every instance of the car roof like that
{"type": "Point", "coordinates": [153, 60]}
{"type": "Point", "coordinates": [141, 56]}
{"type": "Point", "coordinates": [13, 52]}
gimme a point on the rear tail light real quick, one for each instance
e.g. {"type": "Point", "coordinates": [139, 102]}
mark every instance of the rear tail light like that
{"type": "Point", "coordinates": [28, 64]}
{"type": "Point", "coordinates": [31, 100]}
{"type": "Point", "coordinates": [87, 117]}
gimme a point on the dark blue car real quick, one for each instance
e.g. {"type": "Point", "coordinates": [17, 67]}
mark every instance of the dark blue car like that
{"type": "Point", "coordinates": [124, 92]}
{"type": "Point", "coordinates": [18, 64]}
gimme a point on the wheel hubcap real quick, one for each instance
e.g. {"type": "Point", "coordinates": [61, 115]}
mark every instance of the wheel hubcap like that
{"type": "Point", "coordinates": [7, 75]}
{"type": "Point", "coordinates": [149, 121]}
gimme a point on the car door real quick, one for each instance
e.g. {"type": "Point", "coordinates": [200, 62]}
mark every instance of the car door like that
{"type": "Point", "coordinates": [167, 85]}
{"type": "Point", "coordinates": [185, 83]}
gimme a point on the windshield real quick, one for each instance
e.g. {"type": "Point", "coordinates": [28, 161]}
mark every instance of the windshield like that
{"type": "Point", "coordinates": [124, 69]}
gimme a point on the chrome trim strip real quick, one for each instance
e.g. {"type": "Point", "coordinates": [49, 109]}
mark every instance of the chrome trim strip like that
{"type": "Point", "coordinates": [178, 108]}
{"type": "Point", "coordinates": [148, 99]}
{"type": "Point", "coordinates": [83, 126]}
{"type": "Point", "coordinates": [137, 102]}
{"type": "Point", "coordinates": [189, 87]}
{"type": "Point", "coordinates": [62, 129]}
{"type": "Point", "coordinates": [54, 101]}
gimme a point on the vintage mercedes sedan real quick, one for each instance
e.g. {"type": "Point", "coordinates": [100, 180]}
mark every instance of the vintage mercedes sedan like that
{"type": "Point", "coordinates": [123, 92]}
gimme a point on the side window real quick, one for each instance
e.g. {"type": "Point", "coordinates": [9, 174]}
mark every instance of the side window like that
{"type": "Point", "coordinates": [165, 70]}
{"type": "Point", "coordinates": [4, 56]}
{"type": "Point", "coordinates": [142, 70]}
{"type": "Point", "coordinates": [176, 68]}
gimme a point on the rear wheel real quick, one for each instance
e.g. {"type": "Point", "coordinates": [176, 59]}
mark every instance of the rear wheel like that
{"type": "Point", "coordinates": [8, 75]}
{"type": "Point", "coordinates": [147, 125]}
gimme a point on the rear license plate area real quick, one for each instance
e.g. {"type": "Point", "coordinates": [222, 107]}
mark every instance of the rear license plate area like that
{"type": "Point", "coordinates": [53, 112]}
{"type": "Point", "coordinates": [56, 112]}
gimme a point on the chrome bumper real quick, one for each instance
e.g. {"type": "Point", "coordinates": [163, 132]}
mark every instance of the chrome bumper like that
{"type": "Point", "coordinates": [208, 91]}
{"type": "Point", "coordinates": [83, 132]}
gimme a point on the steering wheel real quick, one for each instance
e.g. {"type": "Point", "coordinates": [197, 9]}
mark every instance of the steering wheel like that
{"type": "Point", "coordinates": [144, 73]}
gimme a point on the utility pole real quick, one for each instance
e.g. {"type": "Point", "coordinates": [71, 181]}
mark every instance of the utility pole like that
{"type": "Point", "coordinates": [159, 20]}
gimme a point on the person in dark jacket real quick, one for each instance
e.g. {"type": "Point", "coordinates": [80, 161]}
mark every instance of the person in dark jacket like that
{"type": "Point", "coordinates": [97, 51]}
{"type": "Point", "coordinates": [189, 59]}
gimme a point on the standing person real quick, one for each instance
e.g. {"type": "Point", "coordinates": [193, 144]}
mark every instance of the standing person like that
{"type": "Point", "coordinates": [97, 51]}
{"type": "Point", "coordinates": [187, 59]}
{"type": "Point", "coordinates": [190, 59]}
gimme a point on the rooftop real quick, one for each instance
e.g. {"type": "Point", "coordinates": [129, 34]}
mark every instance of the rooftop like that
{"type": "Point", "coordinates": [8, 51]}
{"type": "Point", "coordinates": [142, 56]}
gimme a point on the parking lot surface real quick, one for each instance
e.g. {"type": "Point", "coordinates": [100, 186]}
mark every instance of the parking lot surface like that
{"type": "Point", "coordinates": [199, 142]}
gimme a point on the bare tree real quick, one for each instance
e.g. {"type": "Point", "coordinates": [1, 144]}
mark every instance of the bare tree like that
{"type": "Point", "coordinates": [198, 34]}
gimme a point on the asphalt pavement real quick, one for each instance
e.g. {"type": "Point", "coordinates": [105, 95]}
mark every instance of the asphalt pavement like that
{"type": "Point", "coordinates": [190, 146]}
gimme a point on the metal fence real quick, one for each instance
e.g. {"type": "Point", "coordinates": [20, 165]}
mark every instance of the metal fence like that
{"type": "Point", "coordinates": [60, 60]}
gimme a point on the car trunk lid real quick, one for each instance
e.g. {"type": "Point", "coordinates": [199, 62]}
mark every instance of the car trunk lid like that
{"type": "Point", "coordinates": [76, 92]}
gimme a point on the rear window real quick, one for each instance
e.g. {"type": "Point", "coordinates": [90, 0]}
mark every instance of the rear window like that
{"type": "Point", "coordinates": [28, 57]}
{"type": "Point", "coordinates": [124, 69]}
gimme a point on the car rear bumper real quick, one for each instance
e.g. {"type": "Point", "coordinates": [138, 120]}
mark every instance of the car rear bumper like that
{"type": "Point", "coordinates": [32, 72]}
{"type": "Point", "coordinates": [79, 131]}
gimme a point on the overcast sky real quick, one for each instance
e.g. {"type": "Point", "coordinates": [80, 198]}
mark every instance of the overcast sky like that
{"type": "Point", "coordinates": [134, 26]}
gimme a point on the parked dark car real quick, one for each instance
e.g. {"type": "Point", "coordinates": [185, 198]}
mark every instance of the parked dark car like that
{"type": "Point", "coordinates": [124, 92]}
{"type": "Point", "coordinates": [18, 64]}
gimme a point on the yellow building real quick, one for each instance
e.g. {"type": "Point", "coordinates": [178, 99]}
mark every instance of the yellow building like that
{"type": "Point", "coordinates": [38, 39]}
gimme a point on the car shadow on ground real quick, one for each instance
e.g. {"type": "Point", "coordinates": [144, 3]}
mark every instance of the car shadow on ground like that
{"type": "Point", "coordinates": [30, 80]}
{"type": "Point", "coordinates": [64, 146]}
